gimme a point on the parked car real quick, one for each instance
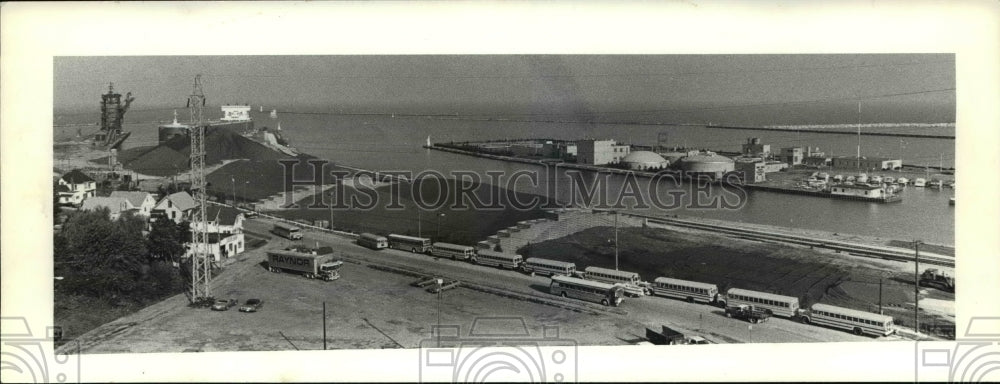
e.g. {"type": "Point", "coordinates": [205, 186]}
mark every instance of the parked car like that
{"type": "Point", "coordinates": [698, 340]}
{"type": "Point", "coordinates": [424, 282]}
{"type": "Point", "coordinates": [223, 304]}
{"type": "Point", "coordinates": [252, 305]}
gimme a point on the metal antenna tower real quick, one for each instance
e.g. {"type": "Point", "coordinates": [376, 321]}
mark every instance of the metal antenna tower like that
{"type": "Point", "coordinates": [201, 270]}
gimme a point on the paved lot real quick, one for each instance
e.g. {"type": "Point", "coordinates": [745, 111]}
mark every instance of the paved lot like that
{"type": "Point", "coordinates": [373, 308]}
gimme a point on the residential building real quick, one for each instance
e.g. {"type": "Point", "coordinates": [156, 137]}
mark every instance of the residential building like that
{"type": "Point", "coordinates": [143, 202]}
{"type": "Point", "coordinates": [176, 207]}
{"type": "Point", "coordinates": [116, 205]}
{"type": "Point", "coordinates": [74, 187]}
{"type": "Point", "coordinates": [600, 152]}
{"type": "Point", "coordinates": [220, 246]}
{"type": "Point", "coordinates": [221, 219]}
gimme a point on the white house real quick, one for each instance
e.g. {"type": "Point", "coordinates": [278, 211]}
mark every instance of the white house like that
{"type": "Point", "coordinates": [221, 219]}
{"type": "Point", "coordinates": [74, 187]}
{"type": "Point", "coordinates": [220, 246]}
{"type": "Point", "coordinates": [116, 205]}
{"type": "Point", "coordinates": [176, 207]}
{"type": "Point", "coordinates": [143, 202]}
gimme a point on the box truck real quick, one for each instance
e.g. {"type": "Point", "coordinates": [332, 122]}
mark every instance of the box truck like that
{"type": "Point", "coordinates": [309, 265]}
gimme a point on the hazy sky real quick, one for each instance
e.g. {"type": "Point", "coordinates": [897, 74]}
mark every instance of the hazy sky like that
{"type": "Point", "coordinates": [570, 84]}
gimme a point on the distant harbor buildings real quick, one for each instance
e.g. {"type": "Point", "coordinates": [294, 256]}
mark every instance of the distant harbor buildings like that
{"type": "Point", "coordinates": [867, 163]}
{"type": "Point", "coordinates": [600, 152]}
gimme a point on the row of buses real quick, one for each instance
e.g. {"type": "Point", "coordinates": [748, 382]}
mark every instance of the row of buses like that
{"type": "Point", "coordinates": [858, 322]}
{"type": "Point", "coordinates": [609, 286]}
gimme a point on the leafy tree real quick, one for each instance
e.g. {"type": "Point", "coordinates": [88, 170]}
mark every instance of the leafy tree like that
{"type": "Point", "coordinates": [100, 257]}
{"type": "Point", "coordinates": [164, 241]}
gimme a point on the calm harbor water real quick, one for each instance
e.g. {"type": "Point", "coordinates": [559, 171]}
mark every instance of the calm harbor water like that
{"type": "Point", "coordinates": [386, 143]}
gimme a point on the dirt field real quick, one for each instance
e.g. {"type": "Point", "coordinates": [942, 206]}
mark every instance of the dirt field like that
{"type": "Point", "coordinates": [810, 275]}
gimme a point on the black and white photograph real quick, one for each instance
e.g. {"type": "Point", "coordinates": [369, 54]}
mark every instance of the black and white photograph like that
{"type": "Point", "coordinates": [513, 215]}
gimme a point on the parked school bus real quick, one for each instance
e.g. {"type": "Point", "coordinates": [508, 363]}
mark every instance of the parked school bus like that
{"type": "Point", "coordinates": [373, 241]}
{"type": "Point", "coordinates": [628, 280]}
{"type": "Point", "coordinates": [780, 305]}
{"type": "Point", "coordinates": [497, 259]}
{"type": "Point", "coordinates": [691, 291]}
{"type": "Point", "coordinates": [606, 294]}
{"type": "Point", "coordinates": [548, 267]}
{"type": "Point", "coordinates": [858, 322]}
{"type": "Point", "coordinates": [287, 231]}
{"type": "Point", "coordinates": [453, 251]}
{"type": "Point", "coordinates": [409, 243]}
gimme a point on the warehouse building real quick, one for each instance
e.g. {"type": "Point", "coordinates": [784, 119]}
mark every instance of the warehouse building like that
{"type": "Point", "coordinates": [600, 152]}
{"type": "Point", "coordinates": [867, 163]}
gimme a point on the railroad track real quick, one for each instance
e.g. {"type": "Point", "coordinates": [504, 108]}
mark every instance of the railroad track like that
{"type": "Point", "coordinates": [884, 253]}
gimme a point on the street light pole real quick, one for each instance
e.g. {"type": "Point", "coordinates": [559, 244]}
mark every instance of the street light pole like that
{"type": "Point", "coordinates": [438, 231]}
{"type": "Point", "coordinates": [234, 189]}
{"type": "Point", "coordinates": [419, 221]}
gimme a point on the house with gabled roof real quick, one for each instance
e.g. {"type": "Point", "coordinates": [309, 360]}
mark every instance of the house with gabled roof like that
{"type": "Point", "coordinates": [74, 187]}
{"type": "Point", "coordinates": [143, 202]}
{"type": "Point", "coordinates": [116, 205]}
{"type": "Point", "coordinates": [220, 246]}
{"type": "Point", "coordinates": [221, 219]}
{"type": "Point", "coordinates": [176, 207]}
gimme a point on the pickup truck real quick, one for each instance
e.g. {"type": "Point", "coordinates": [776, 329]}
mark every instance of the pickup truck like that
{"type": "Point", "coordinates": [748, 313]}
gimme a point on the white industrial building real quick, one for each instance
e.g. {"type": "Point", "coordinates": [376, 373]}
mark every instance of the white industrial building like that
{"type": "Point", "coordinates": [600, 152]}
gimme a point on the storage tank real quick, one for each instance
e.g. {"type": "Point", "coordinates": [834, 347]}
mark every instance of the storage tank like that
{"type": "Point", "coordinates": [644, 160]}
{"type": "Point", "coordinates": [707, 163]}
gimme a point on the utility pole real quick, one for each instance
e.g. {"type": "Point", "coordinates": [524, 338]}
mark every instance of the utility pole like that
{"type": "Point", "coordinates": [201, 271]}
{"type": "Point", "coordinates": [233, 178]}
{"type": "Point", "coordinates": [324, 325]}
{"type": "Point", "coordinates": [440, 283]}
{"type": "Point", "coordinates": [880, 296]}
{"type": "Point", "coordinates": [859, 133]}
{"type": "Point", "coordinates": [331, 209]}
{"type": "Point", "coordinates": [916, 286]}
{"type": "Point", "coordinates": [616, 240]}
{"type": "Point", "coordinates": [419, 221]}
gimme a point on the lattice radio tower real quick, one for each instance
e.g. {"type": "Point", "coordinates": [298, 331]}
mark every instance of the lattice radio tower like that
{"type": "Point", "coordinates": [201, 267]}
